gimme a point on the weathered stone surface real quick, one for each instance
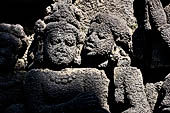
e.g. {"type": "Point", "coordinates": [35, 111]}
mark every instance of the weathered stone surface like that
{"type": "Point", "coordinates": [130, 91]}
{"type": "Point", "coordinates": [58, 38]}
{"type": "Point", "coordinates": [121, 8]}
{"type": "Point", "coordinates": [163, 104]}
{"type": "Point", "coordinates": [60, 44]}
{"type": "Point", "coordinates": [46, 90]}
{"type": "Point", "coordinates": [152, 91]}
{"type": "Point", "coordinates": [167, 10]}
{"type": "Point", "coordinates": [106, 39]}
{"type": "Point", "coordinates": [160, 30]}
{"type": "Point", "coordinates": [13, 43]}
{"type": "Point", "coordinates": [103, 27]}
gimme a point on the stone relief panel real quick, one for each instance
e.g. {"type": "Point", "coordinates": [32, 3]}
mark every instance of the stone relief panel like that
{"type": "Point", "coordinates": [69, 90]}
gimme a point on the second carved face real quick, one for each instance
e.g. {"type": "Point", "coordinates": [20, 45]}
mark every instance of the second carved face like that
{"type": "Point", "coordinates": [99, 40]}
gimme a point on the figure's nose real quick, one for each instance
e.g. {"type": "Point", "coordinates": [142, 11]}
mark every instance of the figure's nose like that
{"type": "Point", "coordinates": [92, 37]}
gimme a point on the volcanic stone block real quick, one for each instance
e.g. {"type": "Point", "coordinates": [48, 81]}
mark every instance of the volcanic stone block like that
{"type": "Point", "coordinates": [129, 90]}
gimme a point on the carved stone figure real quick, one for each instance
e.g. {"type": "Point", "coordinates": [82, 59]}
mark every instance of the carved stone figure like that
{"type": "Point", "coordinates": [62, 15]}
{"type": "Point", "coordinates": [59, 89]}
{"type": "Point", "coordinates": [107, 45]}
{"type": "Point", "coordinates": [70, 90]}
{"type": "Point", "coordinates": [13, 43]}
{"type": "Point", "coordinates": [108, 39]}
{"type": "Point", "coordinates": [129, 91]}
{"type": "Point", "coordinates": [60, 45]}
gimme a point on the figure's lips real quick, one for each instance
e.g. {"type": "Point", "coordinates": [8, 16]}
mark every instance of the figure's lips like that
{"type": "Point", "coordinates": [63, 54]}
{"type": "Point", "coordinates": [60, 51]}
{"type": "Point", "coordinates": [90, 45]}
{"type": "Point", "coordinates": [88, 48]}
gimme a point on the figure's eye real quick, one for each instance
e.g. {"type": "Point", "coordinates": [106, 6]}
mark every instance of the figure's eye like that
{"type": "Point", "coordinates": [54, 38]}
{"type": "Point", "coordinates": [55, 41]}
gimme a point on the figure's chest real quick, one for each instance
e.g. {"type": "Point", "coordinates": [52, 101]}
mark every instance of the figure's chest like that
{"type": "Point", "coordinates": [58, 88]}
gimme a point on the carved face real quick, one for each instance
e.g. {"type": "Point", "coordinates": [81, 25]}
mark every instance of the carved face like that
{"type": "Point", "coordinates": [60, 44]}
{"type": "Point", "coordinates": [9, 45]}
{"type": "Point", "coordinates": [99, 40]}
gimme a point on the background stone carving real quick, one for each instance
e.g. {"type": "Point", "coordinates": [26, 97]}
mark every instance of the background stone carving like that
{"type": "Point", "coordinates": [163, 103]}
{"type": "Point", "coordinates": [121, 8]}
{"type": "Point", "coordinates": [152, 92]}
{"type": "Point", "coordinates": [13, 43]}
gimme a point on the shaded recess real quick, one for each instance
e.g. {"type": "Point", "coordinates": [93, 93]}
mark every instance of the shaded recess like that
{"type": "Point", "coordinates": [165, 2]}
{"type": "Point", "coordinates": [144, 46]}
{"type": "Point", "coordinates": [24, 12]}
